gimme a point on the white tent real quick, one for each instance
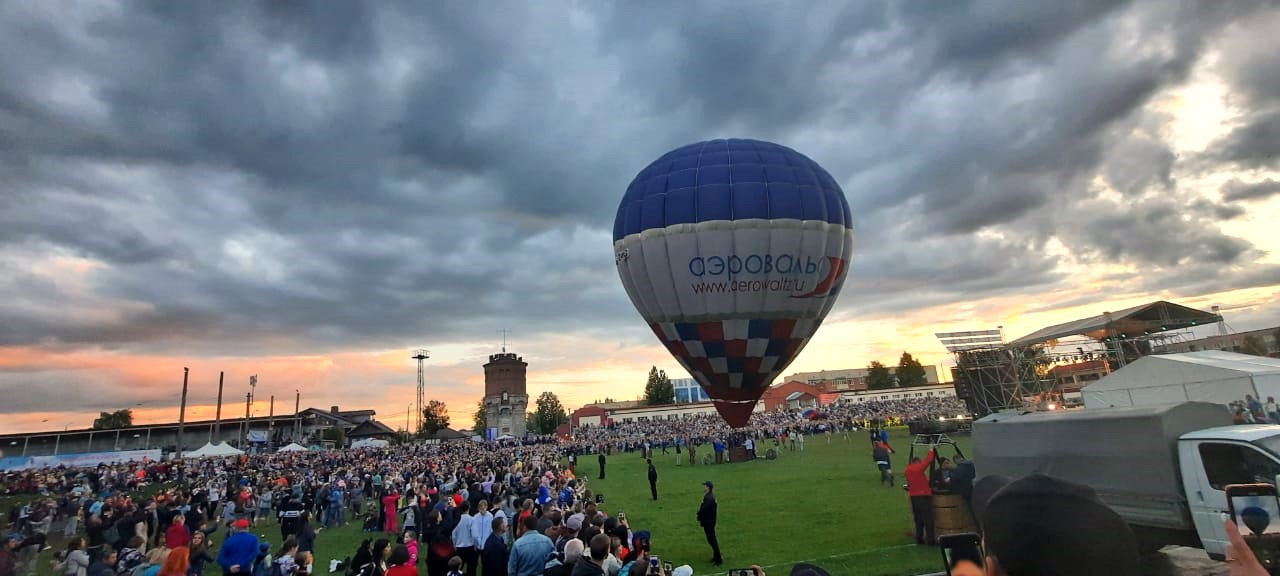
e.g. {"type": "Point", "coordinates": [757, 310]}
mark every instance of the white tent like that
{"type": "Point", "coordinates": [293, 447]}
{"type": "Point", "coordinates": [1206, 376]}
{"type": "Point", "coordinates": [208, 450]}
{"type": "Point", "coordinates": [370, 443]}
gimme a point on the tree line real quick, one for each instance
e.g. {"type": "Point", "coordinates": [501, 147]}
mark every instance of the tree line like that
{"type": "Point", "coordinates": [908, 373]}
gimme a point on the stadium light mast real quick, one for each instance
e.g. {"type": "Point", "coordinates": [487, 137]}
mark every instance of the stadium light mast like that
{"type": "Point", "coordinates": [421, 356]}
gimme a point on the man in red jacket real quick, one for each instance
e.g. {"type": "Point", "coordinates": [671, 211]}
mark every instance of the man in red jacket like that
{"type": "Point", "coordinates": [921, 497]}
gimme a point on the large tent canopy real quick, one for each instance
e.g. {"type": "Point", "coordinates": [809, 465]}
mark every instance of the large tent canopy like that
{"type": "Point", "coordinates": [370, 443]}
{"type": "Point", "coordinates": [1154, 317]}
{"type": "Point", "coordinates": [1205, 376]}
{"type": "Point", "coordinates": [294, 447]}
{"type": "Point", "coordinates": [213, 450]}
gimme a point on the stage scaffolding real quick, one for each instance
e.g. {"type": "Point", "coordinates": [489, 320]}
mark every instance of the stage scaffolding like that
{"type": "Point", "coordinates": [991, 375]}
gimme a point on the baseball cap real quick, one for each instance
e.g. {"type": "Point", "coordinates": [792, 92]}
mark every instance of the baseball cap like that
{"type": "Point", "coordinates": [709, 484]}
{"type": "Point", "coordinates": [1043, 525]}
{"type": "Point", "coordinates": [575, 522]}
{"type": "Point", "coordinates": [241, 524]}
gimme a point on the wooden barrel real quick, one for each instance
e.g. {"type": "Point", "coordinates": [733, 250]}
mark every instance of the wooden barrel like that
{"type": "Point", "coordinates": [951, 515]}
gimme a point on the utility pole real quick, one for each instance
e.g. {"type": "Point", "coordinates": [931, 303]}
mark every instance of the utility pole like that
{"type": "Point", "coordinates": [420, 355]}
{"type": "Point", "coordinates": [182, 413]}
{"type": "Point", "coordinates": [297, 423]}
{"type": "Point", "coordinates": [217, 419]}
{"type": "Point", "coordinates": [271, 421]}
{"type": "Point", "coordinates": [244, 437]}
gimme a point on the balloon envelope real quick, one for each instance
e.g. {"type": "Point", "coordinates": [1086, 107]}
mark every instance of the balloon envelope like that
{"type": "Point", "coordinates": [733, 251]}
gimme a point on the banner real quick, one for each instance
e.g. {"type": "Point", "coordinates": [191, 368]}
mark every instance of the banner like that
{"type": "Point", "coordinates": [79, 460]}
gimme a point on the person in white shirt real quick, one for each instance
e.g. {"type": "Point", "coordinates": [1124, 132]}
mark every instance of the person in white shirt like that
{"type": "Point", "coordinates": [481, 524]}
{"type": "Point", "coordinates": [464, 540]}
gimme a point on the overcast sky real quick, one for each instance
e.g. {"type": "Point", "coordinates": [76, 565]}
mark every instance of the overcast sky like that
{"type": "Point", "coordinates": [309, 191]}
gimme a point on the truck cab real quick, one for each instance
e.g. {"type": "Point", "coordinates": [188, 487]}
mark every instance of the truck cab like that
{"type": "Point", "coordinates": [1211, 459]}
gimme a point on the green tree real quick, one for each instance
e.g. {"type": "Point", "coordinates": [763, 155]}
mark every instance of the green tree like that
{"type": "Point", "coordinates": [113, 420]}
{"type": "Point", "coordinates": [1253, 345]}
{"type": "Point", "coordinates": [910, 372]}
{"type": "Point", "coordinates": [435, 417]}
{"type": "Point", "coordinates": [336, 435]}
{"type": "Point", "coordinates": [658, 390]}
{"type": "Point", "coordinates": [481, 420]}
{"type": "Point", "coordinates": [549, 414]}
{"type": "Point", "coordinates": [878, 376]}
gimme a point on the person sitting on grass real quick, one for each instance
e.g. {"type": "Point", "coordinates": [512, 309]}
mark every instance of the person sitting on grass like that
{"type": "Point", "coordinates": [362, 558]}
{"type": "Point", "coordinates": [400, 563]}
{"type": "Point", "coordinates": [305, 560]}
{"type": "Point", "coordinates": [74, 561]}
{"type": "Point", "coordinates": [284, 563]}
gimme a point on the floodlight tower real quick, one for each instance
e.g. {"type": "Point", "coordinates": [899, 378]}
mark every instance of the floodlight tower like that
{"type": "Point", "coordinates": [421, 355]}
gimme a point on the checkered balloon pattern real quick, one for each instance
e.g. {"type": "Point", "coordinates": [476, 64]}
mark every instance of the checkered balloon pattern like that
{"type": "Point", "coordinates": [737, 358]}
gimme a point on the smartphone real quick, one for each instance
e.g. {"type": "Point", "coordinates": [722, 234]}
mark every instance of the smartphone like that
{"type": "Point", "coordinates": [654, 561]}
{"type": "Point", "coordinates": [962, 554]}
{"type": "Point", "coordinates": [1256, 512]}
{"type": "Point", "coordinates": [666, 567]}
{"type": "Point", "coordinates": [741, 572]}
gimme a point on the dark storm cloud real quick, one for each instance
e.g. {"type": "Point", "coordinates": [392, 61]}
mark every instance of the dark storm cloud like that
{"type": "Point", "coordinates": [1254, 145]}
{"type": "Point", "coordinates": [1235, 190]}
{"type": "Point", "coordinates": [266, 179]}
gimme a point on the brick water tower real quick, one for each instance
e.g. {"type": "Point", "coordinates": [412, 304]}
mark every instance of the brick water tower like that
{"type": "Point", "coordinates": [505, 399]}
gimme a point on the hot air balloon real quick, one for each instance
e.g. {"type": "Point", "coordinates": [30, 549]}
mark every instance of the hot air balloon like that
{"type": "Point", "coordinates": [733, 251]}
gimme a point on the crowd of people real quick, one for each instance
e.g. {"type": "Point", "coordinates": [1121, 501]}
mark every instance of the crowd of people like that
{"type": "Point", "coordinates": [464, 508]}
{"type": "Point", "coordinates": [788, 427]}
{"type": "Point", "coordinates": [458, 508]}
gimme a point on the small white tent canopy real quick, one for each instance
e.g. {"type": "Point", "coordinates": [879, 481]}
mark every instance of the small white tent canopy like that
{"type": "Point", "coordinates": [1206, 376]}
{"type": "Point", "coordinates": [208, 450]}
{"type": "Point", "coordinates": [293, 447]}
{"type": "Point", "coordinates": [370, 443]}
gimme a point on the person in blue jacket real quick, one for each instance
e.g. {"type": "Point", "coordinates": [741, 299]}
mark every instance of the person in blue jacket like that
{"type": "Point", "coordinates": [240, 551]}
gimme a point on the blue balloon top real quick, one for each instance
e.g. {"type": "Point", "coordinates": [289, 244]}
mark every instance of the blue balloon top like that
{"type": "Point", "coordinates": [729, 180]}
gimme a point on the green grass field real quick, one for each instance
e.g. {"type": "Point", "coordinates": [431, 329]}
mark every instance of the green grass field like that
{"type": "Point", "coordinates": [824, 506]}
